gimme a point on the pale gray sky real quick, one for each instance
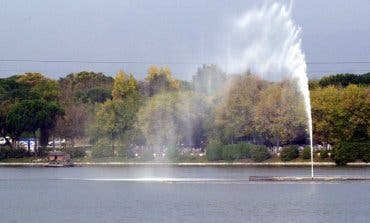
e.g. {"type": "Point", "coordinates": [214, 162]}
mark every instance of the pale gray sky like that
{"type": "Point", "coordinates": [165, 31]}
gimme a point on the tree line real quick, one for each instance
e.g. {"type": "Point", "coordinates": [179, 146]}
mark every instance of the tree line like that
{"type": "Point", "coordinates": [116, 114]}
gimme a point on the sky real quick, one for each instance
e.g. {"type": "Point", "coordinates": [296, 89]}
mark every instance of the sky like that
{"type": "Point", "coordinates": [181, 34]}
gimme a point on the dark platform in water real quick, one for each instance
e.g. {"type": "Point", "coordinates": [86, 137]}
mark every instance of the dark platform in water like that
{"type": "Point", "coordinates": [59, 165]}
{"type": "Point", "coordinates": [317, 178]}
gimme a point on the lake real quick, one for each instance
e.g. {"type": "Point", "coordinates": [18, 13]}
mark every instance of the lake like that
{"type": "Point", "coordinates": [179, 194]}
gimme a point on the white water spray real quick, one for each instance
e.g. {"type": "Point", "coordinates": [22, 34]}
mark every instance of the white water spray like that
{"type": "Point", "coordinates": [267, 42]}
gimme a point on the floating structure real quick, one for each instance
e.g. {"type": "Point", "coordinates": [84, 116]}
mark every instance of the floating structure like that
{"type": "Point", "coordinates": [303, 178]}
{"type": "Point", "coordinates": [59, 159]}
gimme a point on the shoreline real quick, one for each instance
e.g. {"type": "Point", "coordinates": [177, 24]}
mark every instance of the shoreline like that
{"type": "Point", "coordinates": [189, 164]}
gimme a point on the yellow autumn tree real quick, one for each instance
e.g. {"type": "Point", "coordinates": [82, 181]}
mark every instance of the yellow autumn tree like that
{"type": "Point", "coordinates": [340, 114]}
{"type": "Point", "coordinates": [280, 115]}
{"type": "Point", "coordinates": [124, 86]}
{"type": "Point", "coordinates": [161, 80]}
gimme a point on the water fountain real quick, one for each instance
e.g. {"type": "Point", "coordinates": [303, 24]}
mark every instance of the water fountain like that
{"type": "Point", "coordinates": [272, 49]}
{"type": "Point", "coordinates": [267, 42]}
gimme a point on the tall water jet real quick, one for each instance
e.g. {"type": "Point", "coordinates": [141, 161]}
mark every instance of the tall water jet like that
{"type": "Point", "coordinates": [267, 42]}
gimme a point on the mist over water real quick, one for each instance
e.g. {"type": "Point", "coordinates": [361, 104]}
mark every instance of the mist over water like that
{"type": "Point", "coordinates": [264, 41]}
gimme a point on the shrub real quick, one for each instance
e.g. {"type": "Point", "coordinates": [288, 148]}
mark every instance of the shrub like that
{"type": "Point", "coordinates": [186, 157]}
{"type": "Point", "coordinates": [75, 151]}
{"type": "Point", "coordinates": [100, 151]}
{"type": "Point", "coordinates": [231, 152]}
{"type": "Point", "coordinates": [2, 152]}
{"type": "Point", "coordinates": [306, 153]}
{"type": "Point", "coordinates": [147, 155]}
{"type": "Point", "coordinates": [366, 155]}
{"type": "Point", "coordinates": [124, 151]}
{"type": "Point", "coordinates": [236, 151]}
{"type": "Point", "coordinates": [43, 151]}
{"type": "Point", "coordinates": [8, 152]}
{"type": "Point", "coordinates": [342, 156]}
{"type": "Point", "coordinates": [172, 153]}
{"type": "Point", "coordinates": [324, 154]}
{"type": "Point", "coordinates": [365, 151]}
{"type": "Point", "coordinates": [259, 153]}
{"type": "Point", "coordinates": [17, 153]}
{"type": "Point", "coordinates": [289, 153]}
{"type": "Point", "coordinates": [214, 150]}
{"type": "Point", "coordinates": [245, 149]}
{"type": "Point", "coordinates": [346, 152]}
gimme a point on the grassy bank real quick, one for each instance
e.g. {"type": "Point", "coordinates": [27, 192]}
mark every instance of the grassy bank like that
{"type": "Point", "coordinates": [116, 161]}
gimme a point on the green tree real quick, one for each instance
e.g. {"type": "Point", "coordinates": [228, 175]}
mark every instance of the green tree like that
{"type": "Point", "coordinates": [39, 85]}
{"type": "Point", "coordinates": [114, 119]}
{"type": "Point", "coordinates": [33, 115]}
{"type": "Point", "coordinates": [85, 87]}
{"type": "Point", "coordinates": [27, 87]}
{"type": "Point", "coordinates": [343, 80]}
{"type": "Point", "coordinates": [11, 92]}
{"type": "Point", "coordinates": [98, 95]}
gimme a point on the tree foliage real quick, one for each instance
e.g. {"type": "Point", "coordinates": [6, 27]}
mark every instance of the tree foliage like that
{"type": "Point", "coordinates": [114, 119]}
{"type": "Point", "coordinates": [260, 153]}
{"type": "Point", "coordinates": [289, 153]}
{"type": "Point", "coordinates": [72, 124]}
{"type": "Point", "coordinates": [343, 80]}
{"type": "Point", "coordinates": [345, 152]}
{"type": "Point", "coordinates": [124, 87]}
{"type": "Point", "coordinates": [214, 150]}
{"type": "Point", "coordinates": [161, 80]}
{"type": "Point", "coordinates": [208, 80]}
{"type": "Point", "coordinates": [306, 153]}
{"type": "Point", "coordinates": [280, 113]}
{"type": "Point", "coordinates": [85, 87]}
{"type": "Point", "coordinates": [173, 118]}
{"type": "Point", "coordinates": [341, 113]}
{"type": "Point", "coordinates": [40, 86]}
{"type": "Point", "coordinates": [213, 110]}
{"type": "Point", "coordinates": [236, 112]}
{"type": "Point", "coordinates": [29, 103]}
{"type": "Point", "coordinates": [33, 115]}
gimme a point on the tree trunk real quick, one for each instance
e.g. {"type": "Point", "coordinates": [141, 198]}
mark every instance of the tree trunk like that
{"type": "Point", "coordinates": [112, 141]}
{"type": "Point", "coordinates": [35, 149]}
{"type": "Point", "coordinates": [52, 137]}
{"type": "Point", "coordinates": [28, 147]}
{"type": "Point", "coordinates": [113, 149]}
{"type": "Point", "coordinates": [13, 144]}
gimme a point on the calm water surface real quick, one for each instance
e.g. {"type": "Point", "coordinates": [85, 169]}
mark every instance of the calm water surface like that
{"type": "Point", "coordinates": [178, 194]}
